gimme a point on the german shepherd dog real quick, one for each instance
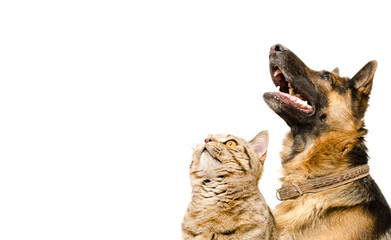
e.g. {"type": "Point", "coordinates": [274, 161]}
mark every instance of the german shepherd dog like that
{"type": "Point", "coordinates": [325, 114]}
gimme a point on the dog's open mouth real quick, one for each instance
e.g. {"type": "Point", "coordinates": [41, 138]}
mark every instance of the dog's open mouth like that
{"type": "Point", "coordinates": [289, 93]}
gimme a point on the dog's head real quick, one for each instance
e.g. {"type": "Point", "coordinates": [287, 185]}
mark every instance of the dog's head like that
{"type": "Point", "coordinates": [314, 101]}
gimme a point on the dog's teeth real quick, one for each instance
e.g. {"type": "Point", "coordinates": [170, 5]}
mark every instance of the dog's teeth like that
{"type": "Point", "coordinates": [302, 102]}
{"type": "Point", "coordinates": [276, 72]}
{"type": "Point", "coordinates": [291, 92]}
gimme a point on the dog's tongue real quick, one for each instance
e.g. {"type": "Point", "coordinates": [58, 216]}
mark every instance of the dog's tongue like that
{"type": "Point", "coordinates": [280, 80]}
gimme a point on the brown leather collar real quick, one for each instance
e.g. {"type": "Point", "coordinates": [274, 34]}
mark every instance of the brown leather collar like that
{"type": "Point", "coordinates": [323, 183]}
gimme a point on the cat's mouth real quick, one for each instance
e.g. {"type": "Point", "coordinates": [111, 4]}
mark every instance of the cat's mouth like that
{"type": "Point", "coordinates": [205, 154]}
{"type": "Point", "coordinates": [289, 93]}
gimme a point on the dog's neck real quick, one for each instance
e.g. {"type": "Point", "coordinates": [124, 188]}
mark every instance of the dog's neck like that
{"type": "Point", "coordinates": [323, 183]}
{"type": "Point", "coordinates": [309, 157]}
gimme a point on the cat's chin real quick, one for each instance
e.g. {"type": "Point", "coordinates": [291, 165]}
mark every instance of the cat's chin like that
{"type": "Point", "coordinates": [208, 164]}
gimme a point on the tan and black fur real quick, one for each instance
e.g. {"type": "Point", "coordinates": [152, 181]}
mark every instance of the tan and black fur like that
{"type": "Point", "coordinates": [226, 202]}
{"type": "Point", "coordinates": [326, 137]}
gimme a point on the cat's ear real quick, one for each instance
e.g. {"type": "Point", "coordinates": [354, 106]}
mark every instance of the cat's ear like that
{"type": "Point", "coordinates": [259, 144]}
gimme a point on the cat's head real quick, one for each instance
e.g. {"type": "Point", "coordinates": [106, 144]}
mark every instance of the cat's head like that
{"type": "Point", "coordinates": [227, 156]}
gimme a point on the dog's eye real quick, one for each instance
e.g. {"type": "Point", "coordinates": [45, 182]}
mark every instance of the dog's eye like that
{"type": "Point", "coordinates": [231, 143]}
{"type": "Point", "coordinates": [326, 77]}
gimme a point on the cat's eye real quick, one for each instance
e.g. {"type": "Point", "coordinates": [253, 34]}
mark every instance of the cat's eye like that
{"type": "Point", "coordinates": [231, 143]}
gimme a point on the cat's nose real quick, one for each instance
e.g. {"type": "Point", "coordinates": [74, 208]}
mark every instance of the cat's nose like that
{"type": "Point", "coordinates": [208, 140]}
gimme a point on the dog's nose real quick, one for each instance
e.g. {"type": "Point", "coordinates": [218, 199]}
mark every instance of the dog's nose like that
{"type": "Point", "coordinates": [208, 140]}
{"type": "Point", "coordinates": [277, 48]}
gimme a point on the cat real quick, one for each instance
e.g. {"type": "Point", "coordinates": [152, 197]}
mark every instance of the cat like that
{"type": "Point", "coordinates": [226, 201]}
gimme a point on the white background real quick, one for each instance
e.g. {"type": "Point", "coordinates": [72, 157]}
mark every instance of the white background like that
{"type": "Point", "coordinates": [101, 102]}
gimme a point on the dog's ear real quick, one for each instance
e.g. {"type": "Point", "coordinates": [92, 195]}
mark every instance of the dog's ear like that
{"type": "Point", "coordinates": [363, 79]}
{"type": "Point", "coordinates": [260, 144]}
{"type": "Point", "coordinates": [361, 85]}
{"type": "Point", "coordinates": [335, 70]}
